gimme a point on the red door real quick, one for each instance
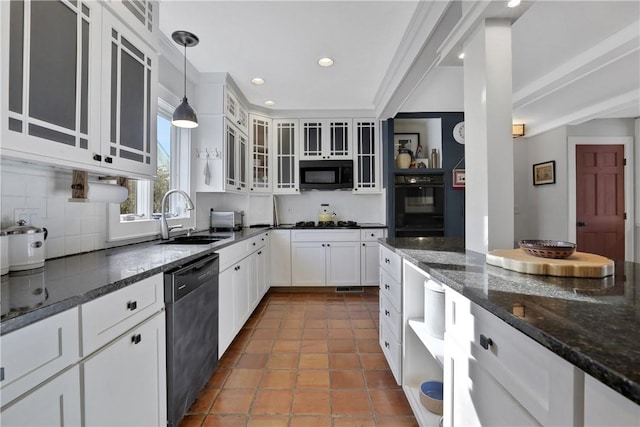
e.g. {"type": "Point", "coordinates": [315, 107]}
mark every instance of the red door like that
{"type": "Point", "coordinates": [600, 200]}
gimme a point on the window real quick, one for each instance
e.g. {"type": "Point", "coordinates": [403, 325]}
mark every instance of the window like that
{"type": "Point", "coordinates": [139, 215]}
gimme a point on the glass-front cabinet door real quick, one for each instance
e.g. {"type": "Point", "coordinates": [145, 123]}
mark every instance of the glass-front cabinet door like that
{"type": "Point", "coordinates": [286, 160]}
{"type": "Point", "coordinates": [235, 158]}
{"type": "Point", "coordinates": [51, 79]}
{"type": "Point", "coordinates": [366, 158]}
{"type": "Point", "coordinates": [129, 101]}
{"type": "Point", "coordinates": [259, 148]}
{"type": "Point", "coordinates": [324, 139]}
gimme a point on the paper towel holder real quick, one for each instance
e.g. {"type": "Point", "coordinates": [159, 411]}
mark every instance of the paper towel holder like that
{"type": "Point", "coordinates": [80, 184]}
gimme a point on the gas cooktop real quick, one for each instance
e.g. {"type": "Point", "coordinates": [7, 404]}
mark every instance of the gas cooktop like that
{"type": "Point", "coordinates": [327, 224]}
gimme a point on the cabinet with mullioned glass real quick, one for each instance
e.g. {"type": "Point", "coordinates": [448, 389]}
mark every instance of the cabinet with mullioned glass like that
{"type": "Point", "coordinates": [325, 139]}
{"type": "Point", "coordinates": [366, 159]}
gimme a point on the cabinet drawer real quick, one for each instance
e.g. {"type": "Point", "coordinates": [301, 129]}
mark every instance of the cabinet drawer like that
{"type": "Point", "coordinates": [36, 352]}
{"type": "Point", "coordinates": [107, 317]}
{"type": "Point", "coordinates": [232, 254]}
{"type": "Point", "coordinates": [371, 234]}
{"type": "Point", "coordinates": [391, 289]}
{"type": "Point", "coordinates": [390, 315]}
{"type": "Point", "coordinates": [392, 351]}
{"type": "Point", "coordinates": [391, 262]}
{"type": "Point", "coordinates": [325, 235]}
{"type": "Point", "coordinates": [255, 243]}
{"type": "Point", "coordinates": [541, 381]}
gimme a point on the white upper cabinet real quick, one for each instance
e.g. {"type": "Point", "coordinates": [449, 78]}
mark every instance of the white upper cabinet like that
{"type": "Point", "coordinates": [260, 158]}
{"type": "Point", "coordinates": [51, 82]}
{"type": "Point", "coordinates": [129, 100]}
{"type": "Point", "coordinates": [285, 169]}
{"type": "Point", "coordinates": [366, 158]}
{"type": "Point", "coordinates": [235, 111]}
{"type": "Point", "coordinates": [81, 88]}
{"type": "Point", "coordinates": [140, 15]}
{"type": "Point", "coordinates": [324, 139]}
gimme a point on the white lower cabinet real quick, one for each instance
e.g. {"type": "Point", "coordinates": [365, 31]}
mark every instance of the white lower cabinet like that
{"type": "Point", "coordinates": [495, 375]}
{"type": "Point", "coordinates": [124, 383]}
{"type": "Point", "coordinates": [37, 352]}
{"type": "Point", "coordinates": [280, 257]}
{"type": "Point", "coordinates": [54, 403]}
{"type": "Point", "coordinates": [242, 283]}
{"type": "Point", "coordinates": [325, 257]}
{"type": "Point", "coordinates": [604, 406]}
{"type": "Point", "coordinates": [370, 256]}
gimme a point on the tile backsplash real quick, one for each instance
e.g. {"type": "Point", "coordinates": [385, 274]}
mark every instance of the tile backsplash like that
{"type": "Point", "coordinates": [40, 194]}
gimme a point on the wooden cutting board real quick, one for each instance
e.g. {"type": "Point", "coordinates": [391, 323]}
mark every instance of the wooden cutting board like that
{"type": "Point", "coordinates": [580, 264]}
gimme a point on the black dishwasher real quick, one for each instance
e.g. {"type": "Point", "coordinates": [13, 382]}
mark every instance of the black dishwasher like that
{"type": "Point", "coordinates": [191, 298]}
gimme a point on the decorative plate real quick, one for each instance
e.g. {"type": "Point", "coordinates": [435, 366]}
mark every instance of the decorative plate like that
{"type": "Point", "coordinates": [458, 133]}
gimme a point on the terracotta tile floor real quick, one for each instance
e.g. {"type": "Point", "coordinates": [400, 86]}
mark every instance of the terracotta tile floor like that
{"type": "Point", "coordinates": [305, 358]}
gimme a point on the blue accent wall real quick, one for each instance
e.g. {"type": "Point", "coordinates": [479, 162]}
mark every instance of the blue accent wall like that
{"type": "Point", "coordinates": [452, 153]}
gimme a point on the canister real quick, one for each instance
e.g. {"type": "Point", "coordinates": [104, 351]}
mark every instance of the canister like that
{"type": "Point", "coordinates": [434, 308]}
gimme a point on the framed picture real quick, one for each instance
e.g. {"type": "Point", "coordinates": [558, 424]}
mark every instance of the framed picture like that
{"type": "Point", "coordinates": [410, 141]}
{"type": "Point", "coordinates": [544, 173]}
{"type": "Point", "coordinates": [459, 179]}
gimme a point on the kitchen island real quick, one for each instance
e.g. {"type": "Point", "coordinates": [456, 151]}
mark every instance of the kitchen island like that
{"type": "Point", "coordinates": [592, 323]}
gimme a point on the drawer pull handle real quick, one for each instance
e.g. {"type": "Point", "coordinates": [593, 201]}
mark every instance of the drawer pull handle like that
{"type": "Point", "coordinates": [132, 305]}
{"type": "Point", "coordinates": [181, 287]}
{"type": "Point", "coordinates": [259, 252]}
{"type": "Point", "coordinates": [387, 287]}
{"type": "Point", "coordinates": [485, 342]}
{"type": "Point", "coordinates": [386, 344]}
{"type": "Point", "coordinates": [136, 339]}
{"type": "Point", "coordinates": [386, 312]}
{"type": "Point", "coordinates": [386, 260]}
{"type": "Point", "coordinates": [1, 374]}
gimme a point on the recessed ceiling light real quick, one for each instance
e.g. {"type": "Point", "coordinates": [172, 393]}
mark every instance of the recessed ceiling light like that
{"type": "Point", "coordinates": [325, 62]}
{"type": "Point", "coordinates": [461, 56]}
{"type": "Point", "coordinates": [269, 103]}
{"type": "Point", "coordinates": [257, 81]}
{"type": "Point", "coordinates": [513, 3]}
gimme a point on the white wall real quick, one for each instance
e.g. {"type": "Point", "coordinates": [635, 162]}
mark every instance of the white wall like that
{"type": "Point", "coordinates": [543, 209]}
{"type": "Point", "coordinates": [542, 212]}
{"type": "Point", "coordinates": [73, 227]}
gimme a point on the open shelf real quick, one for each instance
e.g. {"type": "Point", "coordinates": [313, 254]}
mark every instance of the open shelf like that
{"type": "Point", "coordinates": [433, 345]}
{"type": "Point", "coordinates": [424, 417]}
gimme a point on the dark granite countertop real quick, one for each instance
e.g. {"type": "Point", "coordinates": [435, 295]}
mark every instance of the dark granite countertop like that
{"type": "Point", "coordinates": [592, 323]}
{"type": "Point", "coordinates": [356, 227]}
{"type": "Point", "coordinates": [63, 283]}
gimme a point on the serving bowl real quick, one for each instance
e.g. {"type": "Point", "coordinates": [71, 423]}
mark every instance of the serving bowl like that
{"type": "Point", "coordinates": [548, 248]}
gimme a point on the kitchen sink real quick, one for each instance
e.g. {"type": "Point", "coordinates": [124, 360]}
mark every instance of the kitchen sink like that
{"type": "Point", "coordinates": [191, 240]}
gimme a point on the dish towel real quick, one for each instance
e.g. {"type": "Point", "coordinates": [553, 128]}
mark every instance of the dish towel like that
{"type": "Point", "coordinates": [207, 173]}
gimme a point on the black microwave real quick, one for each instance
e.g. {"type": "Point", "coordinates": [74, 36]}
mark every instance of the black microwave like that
{"type": "Point", "coordinates": [326, 174]}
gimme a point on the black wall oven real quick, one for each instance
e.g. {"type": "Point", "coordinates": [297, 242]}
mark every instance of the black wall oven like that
{"type": "Point", "coordinates": [419, 205]}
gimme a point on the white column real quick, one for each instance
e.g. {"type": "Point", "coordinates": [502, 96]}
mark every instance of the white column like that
{"type": "Point", "coordinates": [489, 198]}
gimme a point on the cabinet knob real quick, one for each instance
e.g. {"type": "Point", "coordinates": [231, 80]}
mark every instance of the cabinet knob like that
{"type": "Point", "coordinates": [259, 252]}
{"type": "Point", "coordinates": [323, 245]}
{"type": "Point", "coordinates": [372, 234]}
{"type": "Point", "coordinates": [386, 286]}
{"type": "Point", "coordinates": [328, 244]}
{"type": "Point", "coordinates": [363, 244]}
{"type": "Point", "coordinates": [386, 312]}
{"type": "Point", "coordinates": [254, 243]}
{"type": "Point", "coordinates": [386, 260]}
{"type": "Point", "coordinates": [386, 344]}
{"type": "Point", "coordinates": [485, 342]}
{"type": "Point", "coordinates": [136, 339]}
{"type": "Point", "coordinates": [132, 305]}
{"type": "Point", "coordinates": [582, 224]}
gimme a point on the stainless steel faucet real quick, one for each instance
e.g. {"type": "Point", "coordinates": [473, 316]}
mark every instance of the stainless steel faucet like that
{"type": "Point", "coordinates": [164, 227]}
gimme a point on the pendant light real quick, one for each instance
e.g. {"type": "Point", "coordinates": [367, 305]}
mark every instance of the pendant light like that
{"type": "Point", "coordinates": [185, 116]}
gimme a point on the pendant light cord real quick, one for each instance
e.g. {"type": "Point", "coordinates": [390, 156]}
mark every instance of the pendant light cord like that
{"type": "Point", "coordinates": [185, 70]}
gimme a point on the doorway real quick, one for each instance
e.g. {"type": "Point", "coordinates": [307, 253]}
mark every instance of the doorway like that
{"type": "Point", "coordinates": [600, 192]}
{"type": "Point", "coordinates": [600, 208]}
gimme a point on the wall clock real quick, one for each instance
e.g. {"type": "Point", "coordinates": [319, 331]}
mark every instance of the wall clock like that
{"type": "Point", "coordinates": [458, 133]}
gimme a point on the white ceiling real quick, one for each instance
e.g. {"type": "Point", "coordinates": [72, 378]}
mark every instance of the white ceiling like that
{"type": "Point", "coordinates": [281, 41]}
{"type": "Point", "coordinates": [572, 60]}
